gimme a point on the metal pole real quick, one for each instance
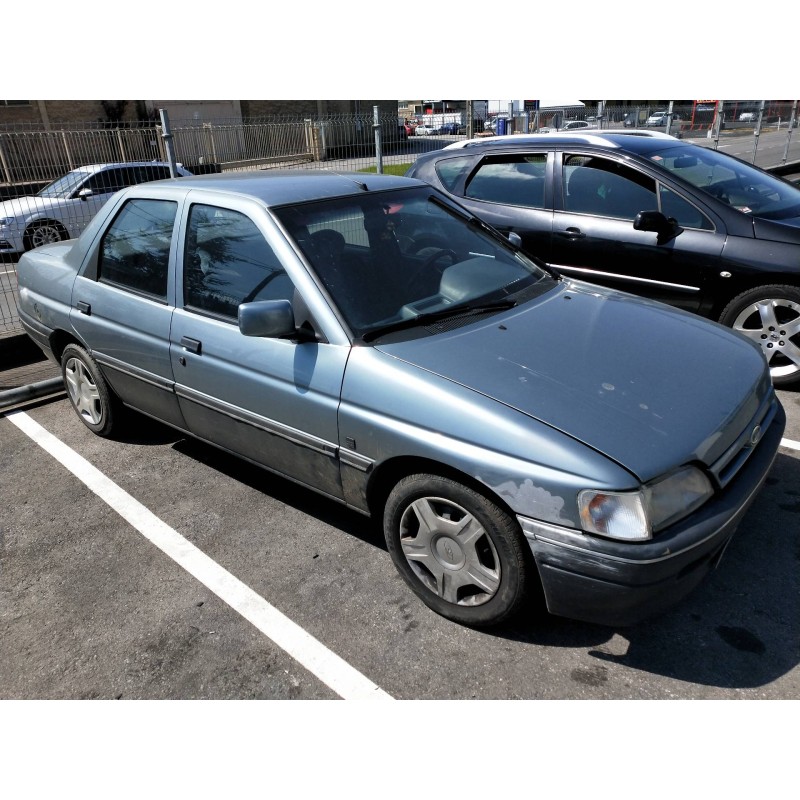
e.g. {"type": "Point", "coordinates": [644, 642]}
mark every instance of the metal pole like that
{"type": "Point", "coordinates": [167, 137]}
{"type": "Point", "coordinates": [669, 117]}
{"type": "Point", "coordinates": [377, 128]}
{"type": "Point", "coordinates": [757, 131]}
{"type": "Point", "coordinates": [470, 131]}
{"type": "Point", "coordinates": [792, 119]}
{"type": "Point", "coordinates": [718, 123]}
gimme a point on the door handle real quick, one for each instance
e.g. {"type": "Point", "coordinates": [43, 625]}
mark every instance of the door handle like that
{"type": "Point", "coordinates": [192, 345]}
{"type": "Point", "coordinates": [83, 307]}
{"type": "Point", "coordinates": [572, 233]}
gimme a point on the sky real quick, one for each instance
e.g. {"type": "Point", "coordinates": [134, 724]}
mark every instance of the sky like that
{"type": "Point", "coordinates": [354, 49]}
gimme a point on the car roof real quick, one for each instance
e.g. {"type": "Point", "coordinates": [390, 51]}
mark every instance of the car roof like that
{"type": "Point", "coordinates": [639, 141]}
{"type": "Point", "coordinates": [279, 187]}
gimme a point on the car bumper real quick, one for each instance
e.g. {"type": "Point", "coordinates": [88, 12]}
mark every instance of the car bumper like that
{"type": "Point", "coordinates": [617, 583]}
{"type": "Point", "coordinates": [11, 241]}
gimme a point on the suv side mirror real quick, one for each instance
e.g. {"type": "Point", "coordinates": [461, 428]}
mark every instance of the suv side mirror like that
{"type": "Point", "coordinates": [654, 221]}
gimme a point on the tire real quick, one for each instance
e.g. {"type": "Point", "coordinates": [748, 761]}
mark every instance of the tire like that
{"type": "Point", "coordinates": [44, 232]}
{"type": "Point", "coordinates": [88, 391]}
{"type": "Point", "coordinates": [770, 316]}
{"type": "Point", "coordinates": [470, 562]}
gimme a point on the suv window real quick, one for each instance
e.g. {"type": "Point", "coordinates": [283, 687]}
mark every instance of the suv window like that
{"type": "Point", "coordinates": [606, 188]}
{"type": "Point", "coordinates": [516, 180]}
{"type": "Point", "coordinates": [227, 261]}
{"type": "Point", "coordinates": [134, 252]}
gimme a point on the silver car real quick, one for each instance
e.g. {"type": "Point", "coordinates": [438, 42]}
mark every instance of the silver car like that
{"type": "Point", "coordinates": [63, 208]}
{"type": "Point", "coordinates": [516, 433]}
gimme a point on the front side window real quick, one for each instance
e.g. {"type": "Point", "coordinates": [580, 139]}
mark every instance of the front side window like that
{"type": "Point", "coordinates": [134, 252]}
{"type": "Point", "coordinates": [684, 213]}
{"type": "Point", "coordinates": [109, 180]}
{"type": "Point", "coordinates": [606, 188]}
{"type": "Point", "coordinates": [516, 180]}
{"type": "Point", "coordinates": [227, 262]}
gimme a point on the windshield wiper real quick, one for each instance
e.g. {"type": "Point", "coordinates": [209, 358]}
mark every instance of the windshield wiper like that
{"type": "Point", "coordinates": [461, 309]}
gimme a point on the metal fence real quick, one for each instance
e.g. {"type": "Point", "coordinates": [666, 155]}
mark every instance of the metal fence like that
{"type": "Point", "coordinates": [30, 159]}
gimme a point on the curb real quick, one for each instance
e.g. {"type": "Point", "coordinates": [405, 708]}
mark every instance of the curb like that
{"type": "Point", "coordinates": [32, 391]}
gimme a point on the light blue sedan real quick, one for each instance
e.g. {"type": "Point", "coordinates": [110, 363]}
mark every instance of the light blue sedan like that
{"type": "Point", "coordinates": [517, 434]}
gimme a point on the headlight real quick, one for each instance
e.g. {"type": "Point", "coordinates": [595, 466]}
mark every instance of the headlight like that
{"type": "Point", "coordinates": [635, 516]}
{"type": "Point", "coordinates": [5, 221]}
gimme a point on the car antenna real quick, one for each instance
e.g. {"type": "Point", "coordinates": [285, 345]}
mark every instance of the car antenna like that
{"type": "Point", "coordinates": [358, 183]}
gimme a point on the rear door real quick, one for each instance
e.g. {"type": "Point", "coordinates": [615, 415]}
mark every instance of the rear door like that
{"type": "Point", "coordinates": [122, 304]}
{"type": "Point", "coordinates": [512, 192]}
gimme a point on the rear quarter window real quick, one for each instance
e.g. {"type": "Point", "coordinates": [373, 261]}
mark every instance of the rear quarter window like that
{"type": "Point", "coordinates": [450, 170]}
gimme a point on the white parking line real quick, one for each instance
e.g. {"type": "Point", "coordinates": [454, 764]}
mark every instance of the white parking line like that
{"type": "Point", "coordinates": [332, 670]}
{"type": "Point", "coordinates": [790, 444]}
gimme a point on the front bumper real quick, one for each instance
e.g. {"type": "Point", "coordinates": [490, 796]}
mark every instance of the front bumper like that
{"type": "Point", "coordinates": [608, 582]}
{"type": "Point", "coordinates": [11, 241]}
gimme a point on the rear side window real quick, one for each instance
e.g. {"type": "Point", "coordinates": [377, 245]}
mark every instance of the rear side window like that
{"type": "Point", "coordinates": [227, 261]}
{"type": "Point", "coordinates": [516, 180]}
{"type": "Point", "coordinates": [450, 171]}
{"type": "Point", "coordinates": [134, 253]}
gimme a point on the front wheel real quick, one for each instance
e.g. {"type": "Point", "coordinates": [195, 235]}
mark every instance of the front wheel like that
{"type": "Point", "coordinates": [770, 316]}
{"type": "Point", "coordinates": [45, 232]}
{"type": "Point", "coordinates": [87, 390]}
{"type": "Point", "coordinates": [459, 552]}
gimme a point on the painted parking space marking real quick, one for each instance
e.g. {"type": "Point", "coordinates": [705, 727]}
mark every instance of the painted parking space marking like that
{"type": "Point", "coordinates": [332, 670]}
{"type": "Point", "coordinates": [792, 445]}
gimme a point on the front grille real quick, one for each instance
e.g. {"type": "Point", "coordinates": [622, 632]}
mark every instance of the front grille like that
{"type": "Point", "coordinates": [728, 465]}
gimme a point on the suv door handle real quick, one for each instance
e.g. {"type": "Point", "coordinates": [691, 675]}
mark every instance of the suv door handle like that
{"type": "Point", "coordinates": [572, 233]}
{"type": "Point", "coordinates": [192, 345]}
{"type": "Point", "coordinates": [83, 307]}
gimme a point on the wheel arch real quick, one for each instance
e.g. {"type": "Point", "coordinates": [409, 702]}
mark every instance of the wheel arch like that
{"type": "Point", "coordinates": [32, 224]}
{"type": "Point", "coordinates": [59, 339]}
{"type": "Point", "coordinates": [739, 286]}
{"type": "Point", "coordinates": [386, 476]}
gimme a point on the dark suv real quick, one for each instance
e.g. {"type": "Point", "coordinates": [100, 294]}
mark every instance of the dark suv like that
{"type": "Point", "coordinates": [648, 214]}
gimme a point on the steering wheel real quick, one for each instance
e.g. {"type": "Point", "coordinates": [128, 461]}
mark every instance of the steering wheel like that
{"type": "Point", "coordinates": [422, 272]}
{"type": "Point", "coordinates": [434, 257]}
{"type": "Point", "coordinates": [719, 192]}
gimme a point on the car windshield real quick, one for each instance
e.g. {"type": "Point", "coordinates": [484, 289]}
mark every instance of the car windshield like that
{"type": "Point", "coordinates": [64, 186]}
{"type": "Point", "coordinates": [390, 260]}
{"type": "Point", "coordinates": [740, 185]}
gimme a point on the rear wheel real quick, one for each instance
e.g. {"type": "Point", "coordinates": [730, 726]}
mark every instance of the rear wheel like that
{"type": "Point", "coordinates": [458, 551]}
{"type": "Point", "coordinates": [770, 316]}
{"type": "Point", "coordinates": [44, 232]}
{"type": "Point", "coordinates": [88, 392]}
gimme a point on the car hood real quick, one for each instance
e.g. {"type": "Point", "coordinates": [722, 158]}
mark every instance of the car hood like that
{"type": "Point", "coordinates": [648, 386]}
{"type": "Point", "coordinates": [22, 206]}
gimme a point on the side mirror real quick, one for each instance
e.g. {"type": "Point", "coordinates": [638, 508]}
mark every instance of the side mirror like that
{"type": "Point", "coordinates": [655, 222]}
{"type": "Point", "coordinates": [85, 194]}
{"type": "Point", "coordinates": [515, 239]}
{"type": "Point", "coordinates": [267, 318]}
